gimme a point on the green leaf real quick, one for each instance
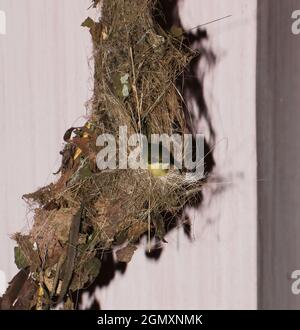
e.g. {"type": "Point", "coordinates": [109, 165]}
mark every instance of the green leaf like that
{"type": "Point", "coordinates": [20, 259]}
{"type": "Point", "coordinates": [89, 23]}
{"type": "Point", "coordinates": [86, 274]}
{"type": "Point", "coordinates": [85, 172]}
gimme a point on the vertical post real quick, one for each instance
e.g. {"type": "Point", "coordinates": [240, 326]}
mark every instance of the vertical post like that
{"type": "Point", "coordinates": [278, 147]}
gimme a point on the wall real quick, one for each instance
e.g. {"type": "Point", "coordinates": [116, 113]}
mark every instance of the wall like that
{"type": "Point", "coordinates": [278, 99]}
{"type": "Point", "coordinates": [44, 84]}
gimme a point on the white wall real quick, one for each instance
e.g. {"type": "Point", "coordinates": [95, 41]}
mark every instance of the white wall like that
{"type": "Point", "coordinates": [43, 87]}
{"type": "Point", "coordinates": [44, 84]}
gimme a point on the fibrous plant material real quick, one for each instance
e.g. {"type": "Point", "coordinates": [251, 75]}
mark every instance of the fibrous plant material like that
{"type": "Point", "coordinates": [89, 211]}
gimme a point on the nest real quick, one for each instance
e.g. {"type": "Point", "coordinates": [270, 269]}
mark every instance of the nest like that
{"type": "Point", "coordinates": [89, 211]}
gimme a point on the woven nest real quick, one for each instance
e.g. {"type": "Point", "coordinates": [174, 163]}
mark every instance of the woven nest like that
{"type": "Point", "coordinates": [89, 211]}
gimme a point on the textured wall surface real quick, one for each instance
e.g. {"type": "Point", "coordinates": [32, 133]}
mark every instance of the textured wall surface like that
{"type": "Point", "coordinates": [278, 117]}
{"type": "Point", "coordinates": [44, 83]}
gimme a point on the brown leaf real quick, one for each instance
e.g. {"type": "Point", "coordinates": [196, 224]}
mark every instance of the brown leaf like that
{"type": "Point", "coordinates": [137, 229]}
{"type": "Point", "coordinates": [176, 31]}
{"type": "Point", "coordinates": [19, 293]}
{"type": "Point", "coordinates": [125, 254]}
{"type": "Point", "coordinates": [69, 305]}
{"type": "Point", "coordinates": [50, 232]}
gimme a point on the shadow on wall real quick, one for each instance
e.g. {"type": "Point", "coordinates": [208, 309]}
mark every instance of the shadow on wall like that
{"type": "Point", "coordinates": [190, 84]}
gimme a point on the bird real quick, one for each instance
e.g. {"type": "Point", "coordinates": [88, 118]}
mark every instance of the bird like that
{"type": "Point", "coordinates": [156, 164]}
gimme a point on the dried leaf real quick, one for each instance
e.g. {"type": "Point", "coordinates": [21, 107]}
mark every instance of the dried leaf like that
{"type": "Point", "coordinates": [121, 237]}
{"type": "Point", "coordinates": [125, 254]}
{"type": "Point", "coordinates": [176, 31]}
{"type": "Point", "coordinates": [51, 232]}
{"type": "Point", "coordinates": [69, 305]}
{"type": "Point", "coordinates": [137, 229]}
{"type": "Point", "coordinates": [86, 274]}
{"type": "Point", "coordinates": [20, 292]}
